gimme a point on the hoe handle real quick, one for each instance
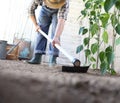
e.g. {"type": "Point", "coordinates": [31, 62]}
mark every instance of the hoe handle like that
{"type": "Point", "coordinates": [72, 59]}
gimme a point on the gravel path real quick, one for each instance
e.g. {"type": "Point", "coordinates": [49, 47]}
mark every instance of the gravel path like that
{"type": "Point", "coordinates": [24, 83]}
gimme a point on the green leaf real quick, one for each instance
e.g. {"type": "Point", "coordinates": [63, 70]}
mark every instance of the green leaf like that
{"type": "Point", "coordinates": [93, 66]}
{"type": "Point", "coordinates": [94, 29]}
{"type": "Point", "coordinates": [84, 12]}
{"type": "Point", "coordinates": [109, 54]}
{"type": "Point", "coordinates": [114, 20]}
{"type": "Point", "coordinates": [102, 56]}
{"type": "Point", "coordinates": [109, 49]}
{"type": "Point", "coordinates": [86, 41]}
{"type": "Point", "coordinates": [79, 49]}
{"type": "Point", "coordinates": [98, 2]}
{"type": "Point", "coordinates": [93, 13]}
{"type": "Point", "coordinates": [117, 42]}
{"type": "Point", "coordinates": [84, 31]}
{"type": "Point", "coordinates": [112, 71]}
{"type": "Point", "coordinates": [108, 4]}
{"type": "Point", "coordinates": [118, 29]}
{"type": "Point", "coordinates": [92, 59]}
{"type": "Point", "coordinates": [105, 36]}
{"type": "Point", "coordinates": [110, 57]}
{"type": "Point", "coordinates": [117, 4]}
{"type": "Point", "coordinates": [104, 19]}
{"type": "Point", "coordinates": [87, 52]}
{"type": "Point", "coordinates": [87, 5]}
{"type": "Point", "coordinates": [81, 30]}
{"type": "Point", "coordinates": [94, 48]}
{"type": "Point", "coordinates": [103, 67]}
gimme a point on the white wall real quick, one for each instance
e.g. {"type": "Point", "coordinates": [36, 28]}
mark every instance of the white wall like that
{"type": "Point", "coordinates": [13, 19]}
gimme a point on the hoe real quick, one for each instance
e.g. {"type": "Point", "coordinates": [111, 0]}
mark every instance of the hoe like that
{"type": "Point", "coordinates": [76, 62]}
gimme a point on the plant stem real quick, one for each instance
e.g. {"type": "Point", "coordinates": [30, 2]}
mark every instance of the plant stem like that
{"type": "Point", "coordinates": [97, 62]}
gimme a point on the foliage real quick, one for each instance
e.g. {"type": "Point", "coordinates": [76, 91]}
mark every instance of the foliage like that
{"type": "Point", "coordinates": [100, 15]}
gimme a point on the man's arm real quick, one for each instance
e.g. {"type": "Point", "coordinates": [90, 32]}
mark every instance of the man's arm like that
{"type": "Point", "coordinates": [62, 17]}
{"type": "Point", "coordinates": [59, 30]}
{"type": "Point", "coordinates": [31, 11]}
{"type": "Point", "coordinates": [33, 18]}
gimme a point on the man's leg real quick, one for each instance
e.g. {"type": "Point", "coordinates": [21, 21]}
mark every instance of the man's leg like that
{"type": "Point", "coordinates": [54, 52]}
{"type": "Point", "coordinates": [41, 41]}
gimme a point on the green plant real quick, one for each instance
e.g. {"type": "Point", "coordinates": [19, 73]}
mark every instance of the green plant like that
{"type": "Point", "coordinates": [96, 45]}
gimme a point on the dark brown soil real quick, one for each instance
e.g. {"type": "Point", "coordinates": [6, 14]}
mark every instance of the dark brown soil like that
{"type": "Point", "coordinates": [24, 83]}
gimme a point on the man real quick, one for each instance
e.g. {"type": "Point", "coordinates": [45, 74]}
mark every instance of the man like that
{"type": "Point", "coordinates": [54, 13]}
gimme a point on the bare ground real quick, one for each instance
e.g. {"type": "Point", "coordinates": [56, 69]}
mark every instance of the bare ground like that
{"type": "Point", "coordinates": [24, 83]}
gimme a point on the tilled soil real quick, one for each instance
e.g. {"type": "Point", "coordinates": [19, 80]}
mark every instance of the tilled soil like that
{"type": "Point", "coordinates": [25, 83]}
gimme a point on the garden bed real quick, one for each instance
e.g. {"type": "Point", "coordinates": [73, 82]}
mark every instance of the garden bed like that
{"type": "Point", "coordinates": [24, 83]}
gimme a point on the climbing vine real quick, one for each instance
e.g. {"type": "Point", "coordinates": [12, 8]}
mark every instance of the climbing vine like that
{"type": "Point", "coordinates": [101, 14]}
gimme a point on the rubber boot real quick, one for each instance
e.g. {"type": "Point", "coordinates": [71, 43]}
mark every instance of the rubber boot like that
{"type": "Point", "coordinates": [36, 59]}
{"type": "Point", "coordinates": [52, 60]}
